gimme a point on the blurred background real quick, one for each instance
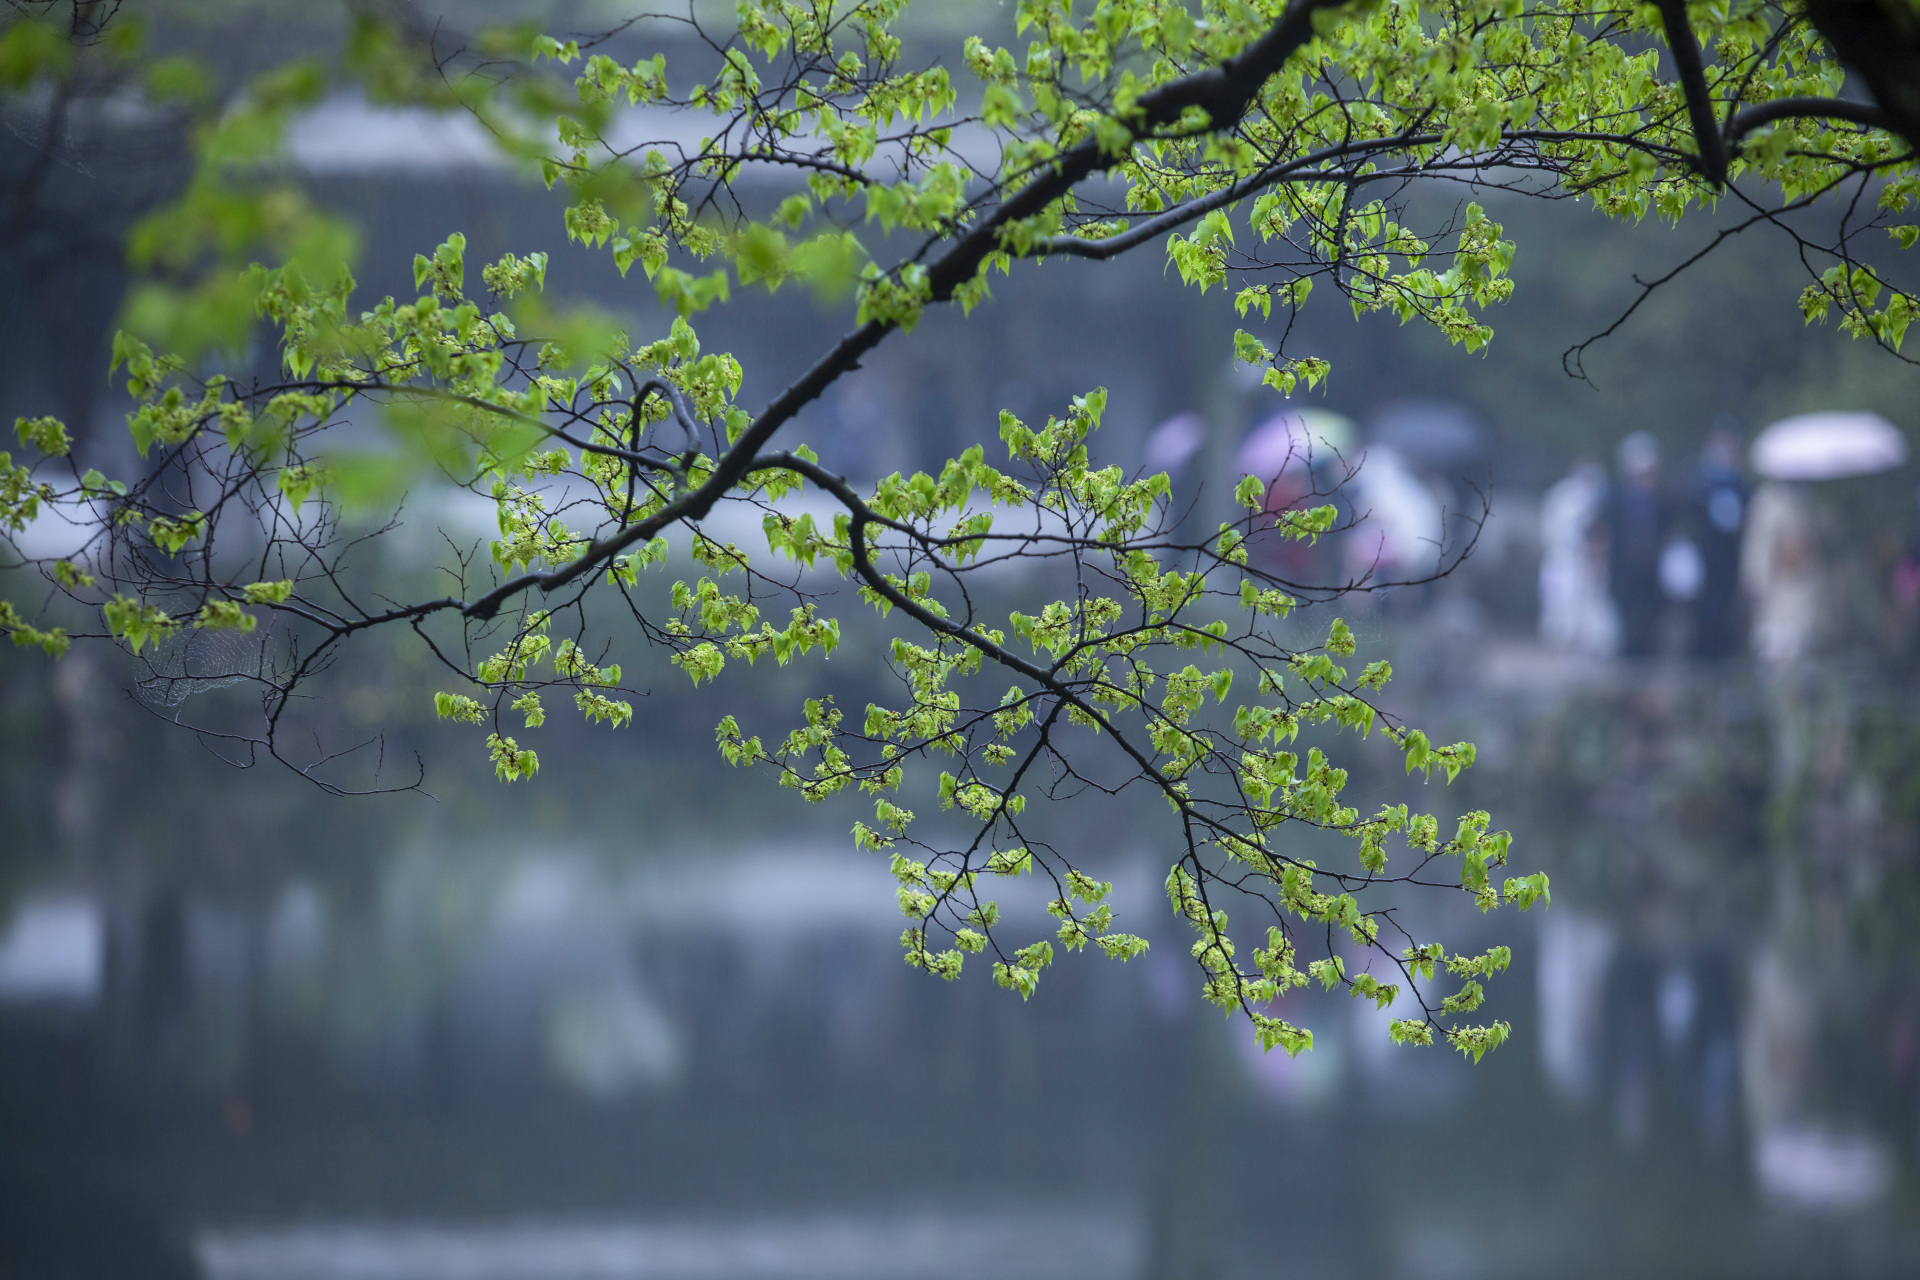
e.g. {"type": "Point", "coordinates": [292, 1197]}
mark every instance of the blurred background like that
{"type": "Point", "coordinates": [646, 1017]}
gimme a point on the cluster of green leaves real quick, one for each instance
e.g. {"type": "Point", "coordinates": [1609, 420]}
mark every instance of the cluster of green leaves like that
{"type": "Point", "coordinates": [1118, 655]}
{"type": "Point", "coordinates": [462, 387]}
{"type": "Point", "coordinates": [1264, 146]}
{"type": "Point", "coordinates": [1556, 98]}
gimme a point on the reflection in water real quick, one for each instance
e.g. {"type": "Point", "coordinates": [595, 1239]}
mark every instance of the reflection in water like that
{"type": "Point", "coordinates": [506, 1059]}
{"type": "Point", "coordinates": [52, 951]}
{"type": "Point", "coordinates": [1016, 1243]}
{"type": "Point", "coordinates": [1817, 1169]}
{"type": "Point", "coordinates": [1570, 967]}
{"type": "Point", "coordinates": [1731, 989]}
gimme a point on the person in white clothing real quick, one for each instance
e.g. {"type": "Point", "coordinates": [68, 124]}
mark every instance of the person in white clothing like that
{"type": "Point", "coordinates": [1399, 523]}
{"type": "Point", "coordinates": [1576, 613]}
{"type": "Point", "coordinates": [1780, 571]}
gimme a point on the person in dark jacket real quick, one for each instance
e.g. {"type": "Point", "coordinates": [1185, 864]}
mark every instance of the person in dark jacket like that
{"type": "Point", "coordinates": [1716, 511]}
{"type": "Point", "coordinates": [1636, 516]}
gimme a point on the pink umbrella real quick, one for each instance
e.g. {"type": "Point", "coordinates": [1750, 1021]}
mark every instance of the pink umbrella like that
{"type": "Point", "coordinates": [1174, 441]}
{"type": "Point", "coordinates": [1294, 439]}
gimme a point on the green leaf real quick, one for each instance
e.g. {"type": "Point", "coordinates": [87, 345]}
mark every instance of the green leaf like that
{"type": "Point", "coordinates": [48, 435]}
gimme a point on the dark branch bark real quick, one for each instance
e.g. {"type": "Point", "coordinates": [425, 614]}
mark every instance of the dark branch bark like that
{"type": "Point", "coordinates": [1224, 93]}
{"type": "Point", "coordinates": [1099, 250]}
{"type": "Point", "coordinates": [734, 465]}
{"type": "Point", "coordinates": [1880, 39]}
{"type": "Point", "coordinates": [1712, 159]}
{"type": "Point", "coordinates": [1767, 113]}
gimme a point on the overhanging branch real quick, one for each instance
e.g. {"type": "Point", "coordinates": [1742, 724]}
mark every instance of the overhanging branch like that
{"type": "Point", "coordinates": [1766, 113]}
{"type": "Point", "coordinates": [1712, 159]}
{"type": "Point", "coordinates": [1224, 92]}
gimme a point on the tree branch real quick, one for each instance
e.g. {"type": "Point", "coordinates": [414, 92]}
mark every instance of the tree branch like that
{"type": "Point", "coordinates": [1224, 92]}
{"type": "Point", "coordinates": [1766, 113]}
{"type": "Point", "coordinates": [1711, 163]}
{"type": "Point", "coordinates": [1879, 39]}
{"type": "Point", "coordinates": [1081, 247]}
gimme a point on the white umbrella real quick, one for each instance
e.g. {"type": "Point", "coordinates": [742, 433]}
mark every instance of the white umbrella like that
{"type": "Point", "coordinates": [1401, 523]}
{"type": "Point", "coordinates": [1293, 438]}
{"type": "Point", "coordinates": [1828, 446]}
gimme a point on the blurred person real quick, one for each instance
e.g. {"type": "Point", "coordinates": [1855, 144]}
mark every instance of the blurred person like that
{"type": "Point", "coordinates": [1906, 580]}
{"type": "Point", "coordinates": [1636, 518]}
{"type": "Point", "coordinates": [1576, 613]}
{"type": "Point", "coordinates": [1780, 571]}
{"type": "Point", "coordinates": [1717, 498]}
{"type": "Point", "coordinates": [1400, 523]}
{"type": "Point", "coordinates": [1302, 456]}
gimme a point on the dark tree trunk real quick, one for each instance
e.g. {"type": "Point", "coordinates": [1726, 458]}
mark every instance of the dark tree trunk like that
{"type": "Point", "coordinates": [1880, 41]}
